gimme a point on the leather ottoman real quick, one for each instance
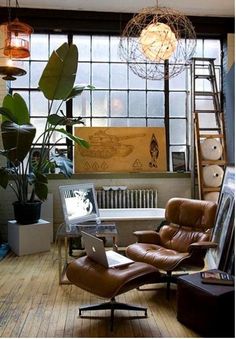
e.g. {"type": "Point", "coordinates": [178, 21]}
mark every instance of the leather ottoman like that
{"type": "Point", "coordinates": [205, 308]}
{"type": "Point", "coordinates": [108, 283]}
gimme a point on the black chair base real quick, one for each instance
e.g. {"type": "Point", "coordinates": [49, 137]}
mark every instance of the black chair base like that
{"type": "Point", "coordinates": [167, 278]}
{"type": "Point", "coordinates": [112, 305]}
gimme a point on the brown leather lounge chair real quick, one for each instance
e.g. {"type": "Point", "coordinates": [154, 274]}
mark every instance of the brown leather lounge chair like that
{"type": "Point", "coordinates": [182, 242]}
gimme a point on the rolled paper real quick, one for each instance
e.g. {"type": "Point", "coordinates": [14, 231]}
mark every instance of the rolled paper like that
{"type": "Point", "coordinates": [211, 149]}
{"type": "Point", "coordinates": [212, 196]}
{"type": "Point", "coordinates": [213, 175]}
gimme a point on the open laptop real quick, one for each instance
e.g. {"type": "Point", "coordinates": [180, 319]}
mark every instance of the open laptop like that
{"type": "Point", "coordinates": [95, 250]}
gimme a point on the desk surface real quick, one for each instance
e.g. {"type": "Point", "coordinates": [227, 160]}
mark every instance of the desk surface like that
{"type": "Point", "coordinates": [100, 230]}
{"type": "Point", "coordinates": [115, 214]}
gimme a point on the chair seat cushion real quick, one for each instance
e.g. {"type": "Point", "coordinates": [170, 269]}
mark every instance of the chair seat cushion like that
{"type": "Point", "coordinates": [160, 257]}
{"type": "Point", "coordinates": [180, 237]}
{"type": "Point", "coordinates": [107, 283]}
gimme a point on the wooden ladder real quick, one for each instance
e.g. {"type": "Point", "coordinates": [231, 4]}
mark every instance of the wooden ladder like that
{"type": "Point", "coordinates": [208, 121]}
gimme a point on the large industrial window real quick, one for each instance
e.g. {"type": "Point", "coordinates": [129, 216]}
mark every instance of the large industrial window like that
{"type": "Point", "coordinates": [120, 97]}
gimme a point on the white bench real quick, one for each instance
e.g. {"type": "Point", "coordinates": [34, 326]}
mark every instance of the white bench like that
{"type": "Point", "coordinates": [129, 220]}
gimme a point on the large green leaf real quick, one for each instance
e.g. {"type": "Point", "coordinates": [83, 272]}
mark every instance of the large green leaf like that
{"type": "Point", "coordinates": [41, 190]}
{"type": "Point", "coordinates": [77, 90]}
{"type": "Point", "coordinates": [19, 112]}
{"type": "Point", "coordinates": [40, 182]}
{"type": "Point", "coordinates": [77, 140]}
{"type": "Point", "coordinates": [56, 120]}
{"type": "Point", "coordinates": [58, 77]}
{"type": "Point", "coordinates": [17, 140]}
{"type": "Point", "coordinates": [7, 114]}
{"type": "Point", "coordinates": [4, 177]}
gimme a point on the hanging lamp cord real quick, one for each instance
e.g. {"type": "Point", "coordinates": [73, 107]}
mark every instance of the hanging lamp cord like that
{"type": "Point", "coordinates": [8, 5]}
{"type": "Point", "coordinates": [17, 6]}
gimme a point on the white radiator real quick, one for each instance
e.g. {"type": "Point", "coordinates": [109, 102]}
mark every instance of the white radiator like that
{"type": "Point", "coordinates": [126, 198]}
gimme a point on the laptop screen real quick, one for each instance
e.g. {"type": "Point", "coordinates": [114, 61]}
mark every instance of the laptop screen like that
{"type": "Point", "coordinates": [79, 203]}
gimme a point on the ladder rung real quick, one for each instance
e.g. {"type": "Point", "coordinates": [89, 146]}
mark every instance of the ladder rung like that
{"type": "Point", "coordinates": [204, 76]}
{"type": "Point", "coordinates": [202, 59]}
{"type": "Point", "coordinates": [208, 94]}
{"type": "Point", "coordinates": [211, 189]}
{"type": "Point", "coordinates": [209, 129]}
{"type": "Point", "coordinates": [211, 136]}
{"type": "Point", "coordinates": [213, 162]}
{"type": "Point", "coordinates": [207, 111]}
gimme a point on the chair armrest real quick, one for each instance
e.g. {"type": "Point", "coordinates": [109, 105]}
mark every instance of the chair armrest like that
{"type": "Point", "coordinates": [148, 237]}
{"type": "Point", "coordinates": [202, 245]}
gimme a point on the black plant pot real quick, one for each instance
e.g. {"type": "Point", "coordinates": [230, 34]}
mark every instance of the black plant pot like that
{"type": "Point", "coordinates": [27, 213]}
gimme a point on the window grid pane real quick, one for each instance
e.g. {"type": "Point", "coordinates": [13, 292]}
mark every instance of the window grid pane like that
{"type": "Point", "coordinates": [120, 97]}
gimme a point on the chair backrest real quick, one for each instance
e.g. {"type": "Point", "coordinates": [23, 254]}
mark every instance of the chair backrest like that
{"type": "Point", "coordinates": [187, 221]}
{"type": "Point", "coordinates": [197, 214]}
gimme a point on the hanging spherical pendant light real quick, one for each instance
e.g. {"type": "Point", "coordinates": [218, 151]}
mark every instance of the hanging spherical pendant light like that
{"type": "Point", "coordinates": [158, 42]}
{"type": "Point", "coordinates": [156, 35]}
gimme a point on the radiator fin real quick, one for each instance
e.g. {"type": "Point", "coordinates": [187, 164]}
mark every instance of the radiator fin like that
{"type": "Point", "coordinates": [129, 198]}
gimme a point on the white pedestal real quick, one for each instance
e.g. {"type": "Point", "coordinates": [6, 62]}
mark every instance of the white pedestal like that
{"type": "Point", "coordinates": [47, 212]}
{"type": "Point", "coordinates": [28, 239]}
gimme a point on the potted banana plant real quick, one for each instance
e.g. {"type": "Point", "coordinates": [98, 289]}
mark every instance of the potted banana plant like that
{"type": "Point", "coordinates": [27, 177]}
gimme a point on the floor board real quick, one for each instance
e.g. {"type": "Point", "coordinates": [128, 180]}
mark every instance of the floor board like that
{"type": "Point", "coordinates": [33, 304]}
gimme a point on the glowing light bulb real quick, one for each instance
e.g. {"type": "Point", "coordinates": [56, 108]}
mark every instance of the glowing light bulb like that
{"type": "Point", "coordinates": [158, 42]}
{"type": "Point", "coordinates": [9, 62]}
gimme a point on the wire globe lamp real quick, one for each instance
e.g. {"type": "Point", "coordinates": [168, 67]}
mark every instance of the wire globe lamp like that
{"type": "Point", "coordinates": [156, 35]}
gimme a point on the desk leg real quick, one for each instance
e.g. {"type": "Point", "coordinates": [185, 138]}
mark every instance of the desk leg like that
{"type": "Point", "coordinates": [115, 246]}
{"type": "Point", "coordinates": [62, 268]}
{"type": "Point", "coordinates": [66, 251]}
{"type": "Point", "coordinates": [59, 260]}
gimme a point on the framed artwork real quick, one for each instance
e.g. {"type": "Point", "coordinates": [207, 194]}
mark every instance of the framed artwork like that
{"type": "Point", "coordinates": [223, 232]}
{"type": "Point", "coordinates": [79, 203]}
{"type": "Point", "coordinates": [178, 161]}
{"type": "Point", "coordinates": [121, 149]}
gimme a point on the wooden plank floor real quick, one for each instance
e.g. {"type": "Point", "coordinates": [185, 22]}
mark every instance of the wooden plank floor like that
{"type": "Point", "coordinates": [33, 304]}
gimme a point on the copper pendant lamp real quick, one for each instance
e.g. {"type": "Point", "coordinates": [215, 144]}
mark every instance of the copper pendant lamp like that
{"type": "Point", "coordinates": [16, 45]}
{"type": "Point", "coordinates": [17, 36]}
{"type": "Point", "coordinates": [17, 41]}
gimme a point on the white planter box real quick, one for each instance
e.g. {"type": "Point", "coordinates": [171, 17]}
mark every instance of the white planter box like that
{"type": "Point", "coordinates": [28, 239]}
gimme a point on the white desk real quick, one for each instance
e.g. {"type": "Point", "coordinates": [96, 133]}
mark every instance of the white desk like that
{"type": "Point", "coordinates": [129, 220]}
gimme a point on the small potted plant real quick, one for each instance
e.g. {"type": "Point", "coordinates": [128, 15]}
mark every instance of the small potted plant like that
{"type": "Point", "coordinates": [27, 176]}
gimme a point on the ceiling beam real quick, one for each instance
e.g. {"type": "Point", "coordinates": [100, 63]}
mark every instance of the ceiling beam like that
{"type": "Point", "coordinates": [45, 20]}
